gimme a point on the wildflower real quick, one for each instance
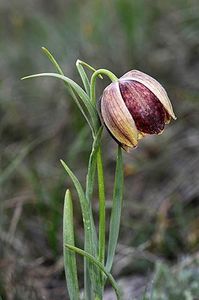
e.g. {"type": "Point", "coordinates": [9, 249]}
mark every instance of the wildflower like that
{"type": "Point", "coordinates": [134, 106]}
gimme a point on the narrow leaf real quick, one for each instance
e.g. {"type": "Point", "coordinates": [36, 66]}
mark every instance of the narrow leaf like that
{"type": "Point", "coordinates": [80, 92]}
{"type": "Point", "coordinates": [116, 210]}
{"type": "Point", "coordinates": [53, 60]}
{"type": "Point", "coordinates": [86, 214]}
{"type": "Point", "coordinates": [83, 76]}
{"type": "Point", "coordinates": [58, 68]}
{"type": "Point", "coordinates": [89, 227]}
{"type": "Point", "coordinates": [99, 265]}
{"type": "Point", "coordinates": [70, 265]}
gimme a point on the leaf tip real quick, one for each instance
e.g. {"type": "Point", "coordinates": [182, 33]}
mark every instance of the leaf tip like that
{"type": "Point", "coordinates": [67, 194]}
{"type": "Point", "coordinates": [45, 50]}
{"type": "Point", "coordinates": [25, 77]}
{"type": "Point", "coordinates": [78, 61]}
{"type": "Point", "coordinates": [63, 163]}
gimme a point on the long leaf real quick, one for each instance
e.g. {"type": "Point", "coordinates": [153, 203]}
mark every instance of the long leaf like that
{"type": "Point", "coordinates": [83, 76]}
{"type": "Point", "coordinates": [116, 210]}
{"type": "Point", "coordinates": [53, 60]}
{"type": "Point", "coordinates": [87, 216]}
{"type": "Point", "coordinates": [70, 265]}
{"type": "Point", "coordinates": [99, 265]}
{"type": "Point", "coordinates": [89, 228]}
{"type": "Point", "coordinates": [58, 68]}
{"type": "Point", "coordinates": [81, 93]}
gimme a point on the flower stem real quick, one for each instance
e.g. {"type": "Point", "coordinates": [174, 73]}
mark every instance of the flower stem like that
{"type": "Point", "coordinates": [94, 77]}
{"type": "Point", "coordinates": [101, 187]}
{"type": "Point", "coordinates": [102, 207]}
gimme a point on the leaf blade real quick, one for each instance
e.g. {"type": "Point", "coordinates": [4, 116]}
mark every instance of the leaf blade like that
{"type": "Point", "coordinates": [83, 76]}
{"type": "Point", "coordinates": [99, 265]}
{"type": "Point", "coordinates": [70, 265]}
{"type": "Point", "coordinates": [89, 227]}
{"type": "Point", "coordinates": [58, 68]}
{"type": "Point", "coordinates": [81, 93]}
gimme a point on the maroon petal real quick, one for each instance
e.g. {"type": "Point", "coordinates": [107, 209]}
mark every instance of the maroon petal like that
{"type": "Point", "coordinates": [147, 111]}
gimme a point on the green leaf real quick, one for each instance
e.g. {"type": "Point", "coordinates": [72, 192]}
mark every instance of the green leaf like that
{"type": "Point", "coordinates": [58, 68]}
{"type": "Point", "coordinates": [116, 210]}
{"type": "Point", "coordinates": [83, 76]}
{"type": "Point", "coordinates": [86, 214]}
{"type": "Point", "coordinates": [99, 265]}
{"type": "Point", "coordinates": [53, 60]}
{"type": "Point", "coordinates": [70, 265]}
{"type": "Point", "coordinates": [89, 227]}
{"type": "Point", "coordinates": [82, 73]}
{"type": "Point", "coordinates": [80, 92]}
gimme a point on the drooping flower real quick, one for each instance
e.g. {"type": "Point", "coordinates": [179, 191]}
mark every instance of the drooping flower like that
{"type": "Point", "coordinates": [134, 106]}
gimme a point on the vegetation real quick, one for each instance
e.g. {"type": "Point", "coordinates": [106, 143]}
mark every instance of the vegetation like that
{"type": "Point", "coordinates": [39, 124]}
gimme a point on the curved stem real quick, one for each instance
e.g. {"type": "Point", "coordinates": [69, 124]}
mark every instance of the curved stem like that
{"type": "Point", "coordinates": [101, 188]}
{"type": "Point", "coordinates": [94, 77]}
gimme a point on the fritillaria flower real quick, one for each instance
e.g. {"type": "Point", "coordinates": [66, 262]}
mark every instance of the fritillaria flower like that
{"type": "Point", "coordinates": [134, 106]}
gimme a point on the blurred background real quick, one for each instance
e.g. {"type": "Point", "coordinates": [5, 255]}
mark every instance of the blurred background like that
{"type": "Point", "coordinates": [39, 124]}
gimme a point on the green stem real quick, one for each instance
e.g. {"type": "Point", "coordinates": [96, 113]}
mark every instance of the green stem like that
{"type": "Point", "coordinates": [108, 73]}
{"type": "Point", "coordinates": [102, 207]}
{"type": "Point", "coordinates": [90, 180]}
{"type": "Point", "coordinates": [116, 210]}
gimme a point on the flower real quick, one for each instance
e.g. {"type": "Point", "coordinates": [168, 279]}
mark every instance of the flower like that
{"type": "Point", "coordinates": [134, 106]}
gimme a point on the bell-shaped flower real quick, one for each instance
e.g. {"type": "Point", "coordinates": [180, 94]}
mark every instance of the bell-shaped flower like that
{"type": "Point", "coordinates": [134, 106]}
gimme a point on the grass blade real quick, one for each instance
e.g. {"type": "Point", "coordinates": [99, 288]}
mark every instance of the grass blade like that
{"type": "Point", "coordinates": [99, 265]}
{"type": "Point", "coordinates": [116, 210]}
{"type": "Point", "coordinates": [70, 265]}
{"type": "Point", "coordinates": [7, 172]}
